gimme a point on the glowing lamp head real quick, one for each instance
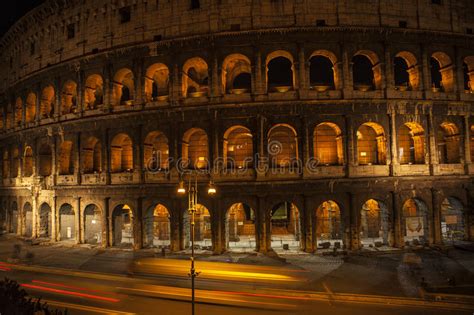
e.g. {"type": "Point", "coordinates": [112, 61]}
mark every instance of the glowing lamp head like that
{"type": "Point", "coordinates": [181, 189]}
{"type": "Point", "coordinates": [211, 190]}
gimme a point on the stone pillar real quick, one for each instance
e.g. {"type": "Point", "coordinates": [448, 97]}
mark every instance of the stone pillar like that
{"type": "Point", "coordinates": [107, 88]}
{"type": "Point", "coordinates": [105, 224]}
{"type": "Point", "coordinates": [35, 210]}
{"type": "Point", "coordinates": [467, 139]}
{"type": "Point", "coordinates": [389, 77]}
{"type": "Point", "coordinates": [393, 135]}
{"type": "Point", "coordinates": [175, 219]}
{"type": "Point", "coordinates": [302, 69]}
{"type": "Point", "coordinates": [433, 152]}
{"type": "Point", "coordinates": [347, 70]}
{"type": "Point", "coordinates": [54, 220]}
{"type": "Point", "coordinates": [307, 227]}
{"type": "Point", "coordinates": [215, 81]}
{"type": "Point", "coordinates": [258, 69]}
{"type": "Point", "coordinates": [436, 217]}
{"type": "Point", "coordinates": [425, 73]}
{"type": "Point", "coordinates": [397, 220]}
{"type": "Point", "coordinates": [57, 96]}
{"type": "Point", "coordinates": [77, 221]}
{"type": "Point", "coordinates": [355, 243]}
{"type": "Point", "coordinates": [138, 79]}
{"type": "Point", "coordinates": [80, 89]}
{"type": "Point", "coordinates": [175, 83]}
{"type": "Point", "coordinates": [217, 228]}
{"type": "Point", "coordinates": [262, 228]}
{"type": "Point", "coordinates": [37, 104]}
{"type": "Point", "coordinates": [138, 225]}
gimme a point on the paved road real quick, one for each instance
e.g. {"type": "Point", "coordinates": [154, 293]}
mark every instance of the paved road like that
{"type": "Point", "coordinates": [94, 293]}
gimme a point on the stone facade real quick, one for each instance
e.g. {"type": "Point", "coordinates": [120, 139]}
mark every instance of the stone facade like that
{"type": "Point", "coordinates": [323, 123]}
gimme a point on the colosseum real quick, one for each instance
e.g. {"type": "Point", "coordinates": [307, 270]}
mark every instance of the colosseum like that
{"type": "Point", "coordinates": [323, 125]}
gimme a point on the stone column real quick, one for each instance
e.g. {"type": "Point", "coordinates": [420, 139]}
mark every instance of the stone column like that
{"type": "Point", "coordinates": [54, 220]}
{"type": "Point", "coordinates": [105, 224]}
{"type": "Point", "coordinates": [37, 104]}
{"type": "Point", "coordinates": [138, 225]}
{"type": "Point", "coordinates": [307, 228]}
{"type": "Point", "coordinates": [34, 230]}
{"type": "Point", "coordinates": [77, 220]}
{"type": "Point", "coordinates": [259, 79]}
{"type": "Point", "coordinates": [108, 85]}
{"type": "Point", "coordinates": [436, 217]}
{"type": "Point", "coordinates": [347, 71]}
{"type": "Point", "coordinates": [262, 227]}
{"type": "Point", "coordinates": [302, 69]}
{"type": "Point", "coordinates": [393, 136]}
{"type": "Point", "coordinates": [433, 152]}
{"type": "Point", "coordinates": [57, 96]}
{"type": "Point", "coordinates": [354, 223]}
{"type": "Point", "coordinates": [175, 219]}
{"type": "Point", "coordinates": [467, 139]}
{"type": "Point", "coordinates": [425, 73]}
{"type": "Point", "coordinates": [397, 220]}
{"type": "Point", "coordinates": [389, 77]}
{"type": "Point", "coordinates": [138, 79]}
{"type": "Point", "coordinates": [218, 246]}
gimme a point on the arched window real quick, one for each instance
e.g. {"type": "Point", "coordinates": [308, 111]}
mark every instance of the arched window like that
{"type": "Point", "coordinates": [6, 164]}
{"type": "Point", "coordinates": [238, 147]}
{"type": "Point", "coordinates": [30, 114]}
{"type": "Point", "coordinates": [28, 162]}
{"type": "Point", "coordinates": [92, 156]}
{"type": "Point", "coordinates": [469, 74]}
{"type": "Point", "coordinates": [157, 82]}
{"type": "Point", "coordinates": [47, 102]}
{"type": "Point", "coordinates": [195, 78]}
{"type": "Point", "coordinates": [15, 163]}
{"type": "Point", "coordinates": [411, 144]}
{"type": "Point", "coordinates": [280, 72]}
{"type": "Point", "coordinates": [69, 98]}
{"type": "Point", "coordinates": [156, 151]}
{"type": "Point", "coordinates": [371, 145]}
{"type": "Point", "coordinates": [366, 72]}
{"type": "Point", "coordinates": [124, 87]}
{"type": "Point", "coordinates": [442, 74]}
{"type": "Point", "coordinates": [328, 146]}
{"type": "Point", "coordinates": [195, 150]}
{"type": "Point", "coordinates": [402, 78]}
{"type": "Point", "coordinates": [121, 159]}
{"type": "Point", "coordinates": [282, 146]}
{"type": "Point", "coordinates": [321, 72]}
{"type": "Point", "coordinates": [236, 74]}
{"type": "Point", "coordinates": [94, 92]}
{"type": "Point", "coordinates": [448, 139]}
{"type": "Point", "coordinates": [45, 163]}
{"type": "Point", "coordinates": [406, 73]}
{"type": "Point", "coordinates": [65, 159]}
{"type": "Point", "coordinates": [18, 111]}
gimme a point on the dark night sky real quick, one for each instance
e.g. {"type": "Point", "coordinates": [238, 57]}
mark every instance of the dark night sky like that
{"type": "Point", "coordinates": [10, 11]}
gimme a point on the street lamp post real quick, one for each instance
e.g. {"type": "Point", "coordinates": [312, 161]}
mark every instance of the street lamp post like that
{"type": "Point", "coordinates": [192, 208]}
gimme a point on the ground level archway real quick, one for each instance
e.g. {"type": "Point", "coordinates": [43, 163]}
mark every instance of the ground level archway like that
{"type": "Point", "coordinates": [157, 227]}
{"type": "Point", "coordinates": [285, 227]}
{"type": "Point", "coordinates": [122, 226]}
{"type": "Point", "coordinates": [67, 224]}
{"type": "Point", "coordinates": [452, 220]}
{"type": "Point", "coordinates": [202, 232]}
{"type": "Point", "coordinates": [44, 229]}
{"type": "Point", "coordinates": [92, 225]}
{"type": "Point", "coordinates": [27, 220]}
{"type": "Point", "coordinates": [240, 228]}
{"type": "Point", "coordinates": [374, 224]}
{"type": "Point", "coordinates": [415, 222]}
{"type": "Point", "coordinates": [329, 226]}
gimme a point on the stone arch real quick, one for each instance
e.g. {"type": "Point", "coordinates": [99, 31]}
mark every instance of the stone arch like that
{"type": "Point", "coordinates": [69, 97]}
{"type": "Point", "coordinates": [453, 218]}
{"type": "Point", "coordinates": [124, 87]}
{"type": "Point", "coordinates": [195, 80]}
{"type": "Point", "coordinates": [236, 74]}
{"type": "Point", "coordinates": [411, 143]}
{"type": "Point", "coordinates": [67, 223]}
{"type": "Point", "coordinates": [282, 145]}
{"type": "Point", "coordinates": [442, 73]}
{"type": "Point", "coordinates": [66, 158]}
{"type": "Point", "coordinates": [15, 169]}
{"type": "Point", "coordinates": [366, 71]}
{"type": "Point", "coordinates": [156, 151]}
{"type": "Point", "coordinates": [371, 144]}
{"type": "Point", "coordinates": [203, 228]}
{"type": "Point", "coordinates": [93, 224]}
{"type": "Point", "coordinates": [45, 223]}
{"type": "Point", "coordinates": [6, 164]}
{"type": "Point", "coordinates": [47, 102]}
{"type": "Point", "coordinates": [94, 92]}
{"type": "Point", "coordinates": [157, 82]}
{"type": "Point", "coordinates": [121, 159]}
{"type": "Point", "coordinates": [238, 147]}
{"type": "Point", "coordinates": [323, 74]}
{"type": "Point", "coordinates": [45, 160]}
{"type": "Point", "coordinates": [448, 142]}
{"type": "Point", "coordinates": [122, 225]}
{"type": "Point", "coordinates": [18, 111]}
{"type": "Point", "coordinates": [415, 222]}
{"type": "Point", "coordinates": [406, 72]}
{"type": "Point", "coordinates": [285, 226]}
{"type": "Point", "coordinates": [27, 220]}
{"type": "Point", "coordinates": [374, 223]}
{"type": "Point", "coordinates": [469, 73]}
{"type": "Point", "coordinates": [328, 144]}
{"type": "Point", "coordinates": [30, 114]}
{"type": "Point", "coordinates": [157, 226]}
{"type": "Point", "coordinates": [329, 225]}
{"type": "Point", "coordinates": [240, 228]}
{"type": "Point", "coordinates": [28, 160]}
{"type": "Point", "coordinates": [281, 74]}
{"type": "Point", "coordinates": [195, 149]}
{"type": "Point", "coordinates": [92, 156]}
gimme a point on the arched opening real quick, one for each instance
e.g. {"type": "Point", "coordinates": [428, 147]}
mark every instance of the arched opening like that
{"type": "Point", "coordinates": [321, 73]}
{"type": "Point", "coordinates": [195, 149]}
{"type": "Point", "coordinates": [452, 220]}
{"type": "Point", "coordinates": [44, 221]}
{"type": "Point", "coordinates": [442, 74]}
{"type": "Point", "coordinates": [122, 225]}
{"type": "Point", "coordinates": [30, 114]}
{"type": "Point", "coordinates": [27, 220]}
{"type": "Point", "coordinates": [45, 163]}
{"type": "Point", "coordinates": [157, 227]}
{"type": "Point", "coordinates": [374, 223]}
{"type": "Point", "coordinates": [94, 92]}
{"type": "Point", "coordinates": [6, 164]}
{"type": "Point", "coordinates": [92, 225]}
{"type": "Point", "coordinates": [236, 74]}
{"type": "Point", "coordinates": [415, 222]}
{"type": "Point", "coordinates": [195, 78]}
{"type": "Point", "coordinates": [121, 159]}
{"type": "Point", "coordinates": [240, 228]}
{"type": "Point", "coordinates": [156, 151]}
{"type": "Point", "coordinates": [124, 87]}
{"type": "Point", "coordinates": [328, 144]}
{"type": "Point", "coordinates": [329, 226]}
{"type": "Point", "coordinates": [468, 69]}
{"type": "Point", "coordinates": [69, 98]}
{"type": "Point", "coordinates": [14, 218]}
{"type": "Point", "coordinates": [449, 142]}
{"type": "Point", "coordinates": [282, 146]}
{"type": "Point", "coordinates": [202, 232]}
{"type": "Point", "coordinates": [371, 144]}
{"type": "Point", "coordinates": [92, 156]}
{"type": "Point", "coordinates": [411, 143]}
{"type": "Point", "coordinates": [14, 172]}
{"type": "Point", "coordinates": [28, 162]}
{"type": "Point", "coordinates": [280, 72]}
{"type": "Point", "coordinates": [157, 82]}
{"type": "Point", "coordinates": [366, 73]}
{"type": "Point", "coordinates": [47, 102]}
{"type": "Point", "coordinates": [285, 227]}
{"type": "Point", "coordinates": [238, 148]}
{"type": "Point", "coordinates": [67, 225]}
{"type": "Point", "coordinates": [65, 159]}
{"type": "Point", "coordinates": [401, 75]}
{"type": "Point", "coordinates": [18, 111]}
